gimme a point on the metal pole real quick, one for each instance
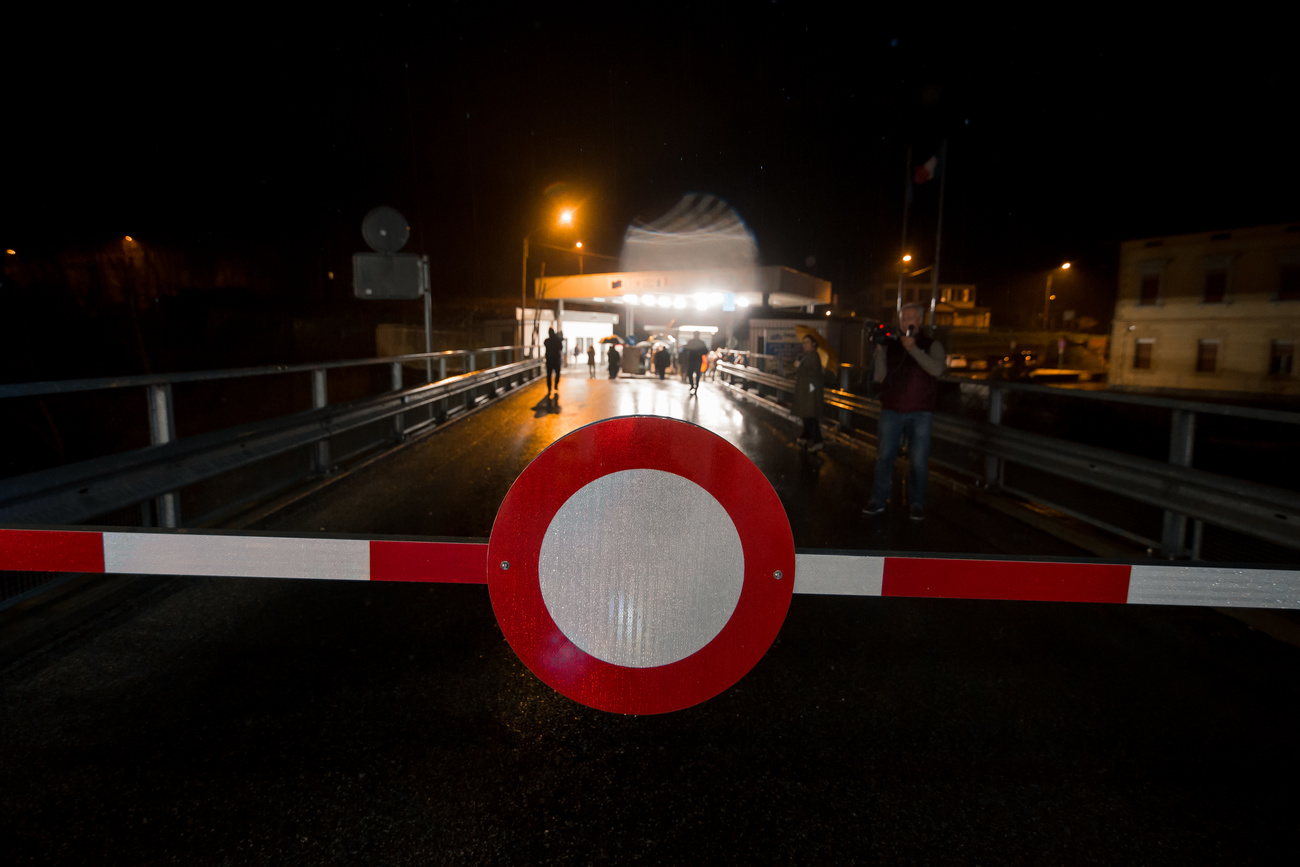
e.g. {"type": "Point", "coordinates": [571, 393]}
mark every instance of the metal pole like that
{"type": "Point", "coordinates": [1182, 434]}
{"type": "Point", "coordinates": [399, 427]}
{"type": "Point", "coordinates": [992, 464]}
{"type": "Point", "coordinates": [907, 204]}
{"type": "Point", "coordinates": [319, 399]}
{"type": "Point", "coordinates": [938, 232]}
{"type": "Point", "coordinates": [523, 292]}
{"type": "Point", "coordinates": [1047, 297]}
{"type": "Point", "coordinates": [162, 429]}
{"type": "Point", "coordinates": [428, 320]}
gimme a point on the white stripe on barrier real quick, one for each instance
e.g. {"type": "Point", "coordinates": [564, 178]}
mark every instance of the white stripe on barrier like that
{"type": "Point", "coordinates": [1216, 586]}
{"type": "Point", "coordinates": [838, 574]}
{"type": "Point", "coordinates": [236, 556]}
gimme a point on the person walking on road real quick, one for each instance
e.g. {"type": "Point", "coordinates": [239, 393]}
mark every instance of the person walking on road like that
{"type": "Point", "coordinates": [693, 358]}
{"type": "Point", "coordinates": [591, 362]}
{"type": "Point", "coordinates": [908, 369]}
{"type": "Point", "coordinates": [554, 345]}
{"type": "Point", "coordinates": [809, 395]}
{"type": "Point", "coordinates": [614, 360]}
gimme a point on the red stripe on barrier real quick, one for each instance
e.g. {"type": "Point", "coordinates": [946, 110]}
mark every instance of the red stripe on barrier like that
{"type": "Point", "coordinates": [1004, 579]}
{"type": "Point", "coordinates": [446, 562]}
{"type": "Point", "coordinates": [51, 551]}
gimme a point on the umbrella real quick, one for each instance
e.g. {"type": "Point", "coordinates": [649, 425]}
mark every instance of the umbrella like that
{"type": "Point", "coordinates": [662, 338]}
{"type": "Point", "coordinates": [613, 338]}
{"type": "Point", "coordinates": [830, 358]}
{"type": "Point", "coordinates": [644, 344]}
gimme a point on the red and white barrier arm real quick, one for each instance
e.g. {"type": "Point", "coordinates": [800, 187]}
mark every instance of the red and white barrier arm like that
{"type": "Point", "coordinates": [191, 553]}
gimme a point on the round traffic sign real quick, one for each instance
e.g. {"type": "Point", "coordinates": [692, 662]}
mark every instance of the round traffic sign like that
{"type": "Point", "coordinates": [641, 565]}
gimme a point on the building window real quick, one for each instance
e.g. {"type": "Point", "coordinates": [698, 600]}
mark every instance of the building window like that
{"type": "Point", "coordinates": [1216, 285]}
{"type": "Point", "coordinates": [1281, 357]}
{"type": "Point", "coordinates": [1142, 353]}
{"type": "Point", "coordinates": [1149, 289]}
{"type": "Point", "coordinates": [1288, 284]}
{"type": "Point", "coordinates": [1207, 355]}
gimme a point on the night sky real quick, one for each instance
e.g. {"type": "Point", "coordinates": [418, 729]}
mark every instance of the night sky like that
{"type": "Point", "coordinates": [236, 130]}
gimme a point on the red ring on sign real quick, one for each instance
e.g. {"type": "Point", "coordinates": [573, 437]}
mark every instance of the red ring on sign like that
{"type": "Point", "coordinates": [632, 443]}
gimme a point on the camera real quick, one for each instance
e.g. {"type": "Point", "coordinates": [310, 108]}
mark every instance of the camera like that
{"type": "Point", "coordinates": [882, 334]}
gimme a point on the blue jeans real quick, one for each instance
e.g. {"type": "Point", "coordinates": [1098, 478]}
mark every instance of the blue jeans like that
{"type": "Point", "coordinates": [893, 427]}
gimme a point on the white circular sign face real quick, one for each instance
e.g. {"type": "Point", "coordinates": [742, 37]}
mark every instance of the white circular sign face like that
{"type": "Point", "coordinates": [641, 568]}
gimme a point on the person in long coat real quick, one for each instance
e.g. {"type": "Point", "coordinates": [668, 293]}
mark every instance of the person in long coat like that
{"type": "Point", "coordinates": [809, 397]}
{"type": "Point", "coordinates": [614, 360]}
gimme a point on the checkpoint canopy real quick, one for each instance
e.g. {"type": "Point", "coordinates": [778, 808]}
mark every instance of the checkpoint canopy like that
{"type": "Point", "coordinates": [713, 297]}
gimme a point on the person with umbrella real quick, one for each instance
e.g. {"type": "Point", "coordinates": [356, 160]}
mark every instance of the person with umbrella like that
{"type": "Point", "coordinates": [809, 396]}
{"type": "Point", "coordinates": [615, 360]}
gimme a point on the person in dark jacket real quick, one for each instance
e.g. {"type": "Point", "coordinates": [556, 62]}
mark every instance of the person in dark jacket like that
{"type": "Point", "coordinates": [809, 397]}
{"type": "Point", "coordinates": [908, 369]}
{"type": "Point", "coordinates": [662, 359]}
{"type": "Point", "coordinates": [554, 346]}
{"type": "Point", "coordinates": [614, 361]}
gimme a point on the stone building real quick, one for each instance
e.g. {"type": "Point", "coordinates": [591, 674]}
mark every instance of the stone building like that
{"type": "Point", "coordinates": [1209, 312]}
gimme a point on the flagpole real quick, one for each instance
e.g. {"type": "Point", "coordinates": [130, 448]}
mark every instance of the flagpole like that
{"type": "Point", "coordinates": [938, 232]}
{"type": "Point", "coordinates": [907, 203]}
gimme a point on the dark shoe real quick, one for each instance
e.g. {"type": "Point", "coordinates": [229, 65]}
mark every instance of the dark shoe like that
{"type": "Point", "coordinates": [816, 447]}
{"type": "Point", "coordinates": [917, 513]}
{"type": "Point", "coordinates": [873, 508]}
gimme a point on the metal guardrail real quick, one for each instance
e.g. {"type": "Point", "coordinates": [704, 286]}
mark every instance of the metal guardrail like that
{"type": "Point", "coordinates": [1180, 491]}
{"type": "Point", "coordinates": [156, 474]}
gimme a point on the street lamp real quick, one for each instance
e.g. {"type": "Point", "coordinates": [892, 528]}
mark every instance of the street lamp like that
{"type": "Point", "coordinates": [565, 218]}
{"type": "Point", "coordinates": [1048, 297]}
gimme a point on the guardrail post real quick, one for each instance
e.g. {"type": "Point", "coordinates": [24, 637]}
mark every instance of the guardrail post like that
{"type": "Point", "coordinates": [846, 417]}
{"type": "Point", "coordinates": [1182, 434]}
{"type": "Point", "coordinates": [162, 429]}
{"type": "Point", "coordinates": [471, 364]}
{"type": "Point", "coordinates": [993, 464]}
{"type": "Point", "coordinates": [320, 451]}
{"type": "Point", "coordinates": [399, 426]}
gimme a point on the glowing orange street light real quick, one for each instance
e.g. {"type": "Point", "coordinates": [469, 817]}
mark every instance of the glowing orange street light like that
{"type": "Point", "coordinates": [907, 257]}
{"type": "Point", "coordinates": [565, 219]}
{"type": "Point", "coordinates": [130, 240]}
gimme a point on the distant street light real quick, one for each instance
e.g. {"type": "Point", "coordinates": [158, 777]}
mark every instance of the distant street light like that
{"type": "Point", "coordinates": [1048, 297]}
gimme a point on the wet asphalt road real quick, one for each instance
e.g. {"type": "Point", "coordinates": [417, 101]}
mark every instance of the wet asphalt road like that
{"type": "Point", "coordinates": [227, 721]}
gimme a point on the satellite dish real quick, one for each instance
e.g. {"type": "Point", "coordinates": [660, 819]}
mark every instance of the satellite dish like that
{"type": "Point", "coordinates": [385, 229]}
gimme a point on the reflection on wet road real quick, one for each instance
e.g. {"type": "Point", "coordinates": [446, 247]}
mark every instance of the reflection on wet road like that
{"type": "Point", "coordinates": [451, 483]}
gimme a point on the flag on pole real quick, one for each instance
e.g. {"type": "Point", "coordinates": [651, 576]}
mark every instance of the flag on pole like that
{"type": "Point", "coordinates": [927, 171]}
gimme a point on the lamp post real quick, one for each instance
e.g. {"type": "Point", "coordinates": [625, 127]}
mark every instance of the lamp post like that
{"type": "Point", "coordinates": [1047, 293]}
{"type": "Point", "coordinates": [565, 218]}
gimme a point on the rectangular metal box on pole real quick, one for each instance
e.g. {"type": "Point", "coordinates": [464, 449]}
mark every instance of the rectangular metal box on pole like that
{"type": "Point", "coordinates": [387, 276]}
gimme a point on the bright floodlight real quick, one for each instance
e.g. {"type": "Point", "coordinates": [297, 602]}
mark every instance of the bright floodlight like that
{"type": "Point", "coordinates": [566, 217]}
{"type": "Point", "coordinates": [1066, 265]}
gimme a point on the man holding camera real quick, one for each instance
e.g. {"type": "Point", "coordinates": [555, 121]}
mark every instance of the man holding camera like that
{"type": "Point", "coordinates": [907, 365]}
